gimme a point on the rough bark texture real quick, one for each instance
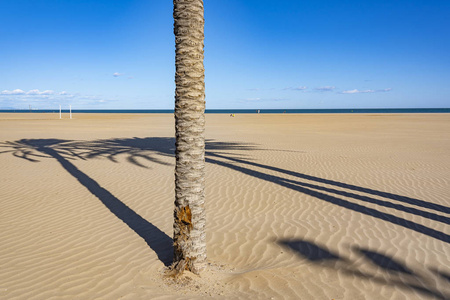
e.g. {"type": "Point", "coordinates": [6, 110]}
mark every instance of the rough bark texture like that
{"type": "Point", "coordinates": [189, 214]}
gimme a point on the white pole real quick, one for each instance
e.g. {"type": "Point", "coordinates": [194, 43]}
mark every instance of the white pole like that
{"type": "Point", "coordinates": [60, 111]}
{"type": "Point", "coordinates": [70, 107]}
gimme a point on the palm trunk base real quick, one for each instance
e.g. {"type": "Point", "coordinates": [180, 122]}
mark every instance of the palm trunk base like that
{"type": "Point", "coordinates": [177, 268]}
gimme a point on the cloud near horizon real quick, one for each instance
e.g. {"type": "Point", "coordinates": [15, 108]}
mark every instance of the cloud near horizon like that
{"type": "Point", "coordinates": [356, 91]}
{"type": "Point", "coordinates": [298, 88]}
{"type": "Point", "coordinates": [19, 98]}
{"type": "Point", "coordinates": [35, 92]}
{"type": "Point", "coordinates": [325, 88]}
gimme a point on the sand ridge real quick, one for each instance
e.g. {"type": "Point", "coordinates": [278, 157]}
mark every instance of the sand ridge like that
{"type": "Point", "coordinates": [298, 207]}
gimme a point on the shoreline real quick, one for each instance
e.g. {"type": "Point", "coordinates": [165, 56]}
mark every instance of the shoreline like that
{"type": "Point", "coordinates": [249, 111]}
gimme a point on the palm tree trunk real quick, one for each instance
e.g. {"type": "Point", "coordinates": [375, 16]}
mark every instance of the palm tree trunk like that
{"type": "Point", "coordinates": [189, 215]}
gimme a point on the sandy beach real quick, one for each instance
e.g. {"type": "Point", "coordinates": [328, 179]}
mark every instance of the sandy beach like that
{"type": "Point", "coordinates": [299, 206]}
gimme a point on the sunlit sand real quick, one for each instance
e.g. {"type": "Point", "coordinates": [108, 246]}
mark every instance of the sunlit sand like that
{"type": "Point", "coordinates": [298, 207]}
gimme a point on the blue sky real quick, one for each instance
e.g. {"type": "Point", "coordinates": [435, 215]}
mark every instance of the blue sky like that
{"type": "Point", "coordinates": [119, 54]}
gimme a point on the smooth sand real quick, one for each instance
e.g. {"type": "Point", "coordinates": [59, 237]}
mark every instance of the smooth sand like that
{"type": "Point", "coordinates": [298, 207]}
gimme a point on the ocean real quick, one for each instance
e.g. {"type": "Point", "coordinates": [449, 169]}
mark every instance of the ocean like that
{"type": "Point", "coordinates": [243, 111]}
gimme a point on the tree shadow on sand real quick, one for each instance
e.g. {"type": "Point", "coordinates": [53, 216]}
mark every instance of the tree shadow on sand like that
{"type": "Point", "coordinates": [62, 151]}
{"type": "Point", "coordinates": [143, 152]}
{"type": "Point", "coordinates": [380, 268]}
{"type": "Point", "coordinates": [135, 149]}
{"type": "Point", "coordinates": [316, 191]}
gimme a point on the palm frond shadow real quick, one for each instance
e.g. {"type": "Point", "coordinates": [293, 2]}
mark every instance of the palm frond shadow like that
{"type": "Point", "coordinates": [388, 270]}
{"type": "Point", "coordinates": [315, 191]}
{"type": "Point", "coordinates": [142, 152]}
{"type": "Point", "coordinates": [135, 150]}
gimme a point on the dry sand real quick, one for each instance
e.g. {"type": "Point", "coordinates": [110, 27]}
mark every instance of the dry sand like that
{"type": "Point", "coordinates": [298, 207]}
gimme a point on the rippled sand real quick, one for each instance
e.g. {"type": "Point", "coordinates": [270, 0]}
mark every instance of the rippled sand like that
{"type": "Point", "coordinates": [298, 207]}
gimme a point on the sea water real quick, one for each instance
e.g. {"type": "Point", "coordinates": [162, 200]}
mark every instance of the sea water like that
{"type": "Point", "coordinates": [245, 111]}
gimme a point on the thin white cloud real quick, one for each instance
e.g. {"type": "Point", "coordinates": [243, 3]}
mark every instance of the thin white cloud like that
{"type": "Point", "coordinates": [35, 92]}
{"type": "Point", "coordinates": [356, 91]}
{"type": "Point", "coordinates": [47, 92]}
{"type": "Point", "coordinates": [38, 99]}
{"type": "Point", "coordinates": [44, 99]}
{"type": "Point", "coordinates": [13, 92]}
{"type": "Point", "coordinates": [325, 88]}
{"type": "Point", "coordinates": [117, 74]}
{"type": "Point", "coordinates": [38, 92]}
{"type": "Point", "coordinates": [298, 88]}
{"type": "Point", "coordinates": [252, 99]}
